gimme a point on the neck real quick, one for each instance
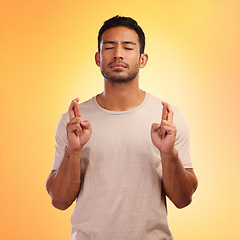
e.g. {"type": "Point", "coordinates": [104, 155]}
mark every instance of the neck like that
{"type": "Point", "coordinates": [121, 96]}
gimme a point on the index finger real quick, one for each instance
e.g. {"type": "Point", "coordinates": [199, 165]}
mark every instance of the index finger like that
{"type": "Point", "coordinates": [164, 111]}
{"type": "Point", "coordinates": [167, 112]}
{"type": "Point", "coordinates": [74, 110]}
{"type": "Point", "coordinates": [170, 114]}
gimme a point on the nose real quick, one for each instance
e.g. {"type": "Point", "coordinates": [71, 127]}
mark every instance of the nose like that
{"type": "Point", "coordinates": [118, 53]}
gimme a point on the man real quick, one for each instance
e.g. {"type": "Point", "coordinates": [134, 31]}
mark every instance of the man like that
{"type": "Point", "coordinates": [122, 152]}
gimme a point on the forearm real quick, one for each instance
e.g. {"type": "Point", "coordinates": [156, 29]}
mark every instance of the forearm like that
{"type": "Point", "coordinates": [179, 183]}
{"type": "Point", "coordinates": [63, 184]}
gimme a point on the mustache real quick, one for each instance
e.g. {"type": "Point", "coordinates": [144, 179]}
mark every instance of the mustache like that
{"type": "Point", "coordinates": [117, 61]}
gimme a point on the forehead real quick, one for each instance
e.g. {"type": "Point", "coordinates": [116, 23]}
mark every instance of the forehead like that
{"type": "Point", "coordinates": [120, 34]}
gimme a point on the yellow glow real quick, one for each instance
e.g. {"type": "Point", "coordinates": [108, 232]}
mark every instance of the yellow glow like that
{"type": "Point", "coordinates": [47, 58]}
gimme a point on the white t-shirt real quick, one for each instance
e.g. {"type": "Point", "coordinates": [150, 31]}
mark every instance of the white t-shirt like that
{"type": "Point", "coordinates": [121, 196]}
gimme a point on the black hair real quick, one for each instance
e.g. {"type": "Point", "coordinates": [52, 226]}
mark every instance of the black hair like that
{"type": "Point", "coordinates": [128, 22]}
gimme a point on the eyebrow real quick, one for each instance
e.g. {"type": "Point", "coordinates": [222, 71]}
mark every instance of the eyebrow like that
{"type": "Point", "coordinates": [124, 42]}
{"type": "Point", "coordinates": [108, 42]}
{"type": "Point", "coordinates": [129, 42]}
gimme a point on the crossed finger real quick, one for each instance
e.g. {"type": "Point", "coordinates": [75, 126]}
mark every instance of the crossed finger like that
{"type": "Point", "coordinates": [74, 110]}
{"type": "Point", "coordinates": [167, 112]}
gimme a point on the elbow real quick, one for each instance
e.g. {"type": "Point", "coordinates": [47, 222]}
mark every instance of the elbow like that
{"type": "Point", "coordinates": [60, 205]}
{"type": "Point", "coordinates": [183, 203]}
{"type": "Point", "coordinates": [186, 199]}
{"type": "Point", "coordinates": [57, 200]}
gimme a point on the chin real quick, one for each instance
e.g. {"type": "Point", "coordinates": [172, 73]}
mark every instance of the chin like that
{"type": "Point", "coordinates": [118, 77]}
{"type": "Point", "coordinates": [119, 80]}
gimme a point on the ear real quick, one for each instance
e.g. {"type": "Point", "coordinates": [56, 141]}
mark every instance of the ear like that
{"type": "Point", "coordinates": [97, 59]}
{"type": "Point", "coordinates": [143, 60]}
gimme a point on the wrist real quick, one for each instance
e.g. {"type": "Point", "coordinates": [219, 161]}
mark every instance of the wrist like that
{"type": "Point", "coordinates": [73, 153]}
{"type": "Point", "coordinates": [172, 155]}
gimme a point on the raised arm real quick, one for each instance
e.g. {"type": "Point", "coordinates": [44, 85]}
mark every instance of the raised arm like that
{"type": "Point", "coordinates": [63, 184]}
{"type": "Point", "coordinates": [179, 183]}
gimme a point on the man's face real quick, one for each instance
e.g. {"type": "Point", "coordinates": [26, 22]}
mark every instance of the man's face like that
{"type": "Point", "coordinates": [119, 57]}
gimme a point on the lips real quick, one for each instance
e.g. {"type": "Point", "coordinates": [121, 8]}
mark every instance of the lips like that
{"type": "Point", "coordinates": [118, 65]}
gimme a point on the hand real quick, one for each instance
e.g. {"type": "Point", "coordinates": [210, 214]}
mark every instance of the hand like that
{"type": "Point", "coordinates": [78, 131]}
{"type": "Point", "coordinates": [163, 135]}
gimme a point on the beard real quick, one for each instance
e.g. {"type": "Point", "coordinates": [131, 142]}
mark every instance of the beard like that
{"type": "Point", "coordinates": [118, 76]}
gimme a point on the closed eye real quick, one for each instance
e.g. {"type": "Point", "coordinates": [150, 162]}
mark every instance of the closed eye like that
{"type": "Point", "coordinates": [109, 48]}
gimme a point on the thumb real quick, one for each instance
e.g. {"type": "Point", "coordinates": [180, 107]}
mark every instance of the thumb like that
{"type": "Point", "coordinates": [86, 124]}
{"type": "Point", "coordinates": [155, 127]}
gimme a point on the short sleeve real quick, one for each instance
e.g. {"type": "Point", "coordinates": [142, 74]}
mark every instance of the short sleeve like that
{"type": "Point", "coordinates": [182, 142]}
{"type": "Point", "coordinates": [60, 141]}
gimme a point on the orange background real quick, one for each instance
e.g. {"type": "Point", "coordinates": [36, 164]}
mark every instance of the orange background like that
{"type": "Point", "coordinates": [47, 59]}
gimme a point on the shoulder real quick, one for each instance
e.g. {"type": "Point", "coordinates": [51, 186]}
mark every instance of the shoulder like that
{"type": "Point", "coordinates": [156, 101]}
{"type": "Point", "coordinates": [179, 120]}
{"type": "Point", "coordinates": [64, 119]}
{"type": "Point", "coordinates": [86, 103]}
{"type": "Point", "coordinates": [88, 108]}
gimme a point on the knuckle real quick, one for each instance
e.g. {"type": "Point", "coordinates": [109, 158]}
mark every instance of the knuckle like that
{"type": "Point", "coordinates": [164, 122]}
{"type": "Point", "coordinates": [174, 129]}
{"type": "Point", "coordinates": [78, 120]}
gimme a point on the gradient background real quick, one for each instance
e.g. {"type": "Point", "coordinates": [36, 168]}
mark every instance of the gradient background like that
{"type": "Point", "coordinates": [47, 58]}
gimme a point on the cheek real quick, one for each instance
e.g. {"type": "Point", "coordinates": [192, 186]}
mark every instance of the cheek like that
{"type": "Point", "coordinates": [134, 57]}
{"type": "Point", "coordinates": [105, 58]}
{"type": "Point", "coordinates": [135, 61]}
{"type": "Point", "coordinates": [103, 62]}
